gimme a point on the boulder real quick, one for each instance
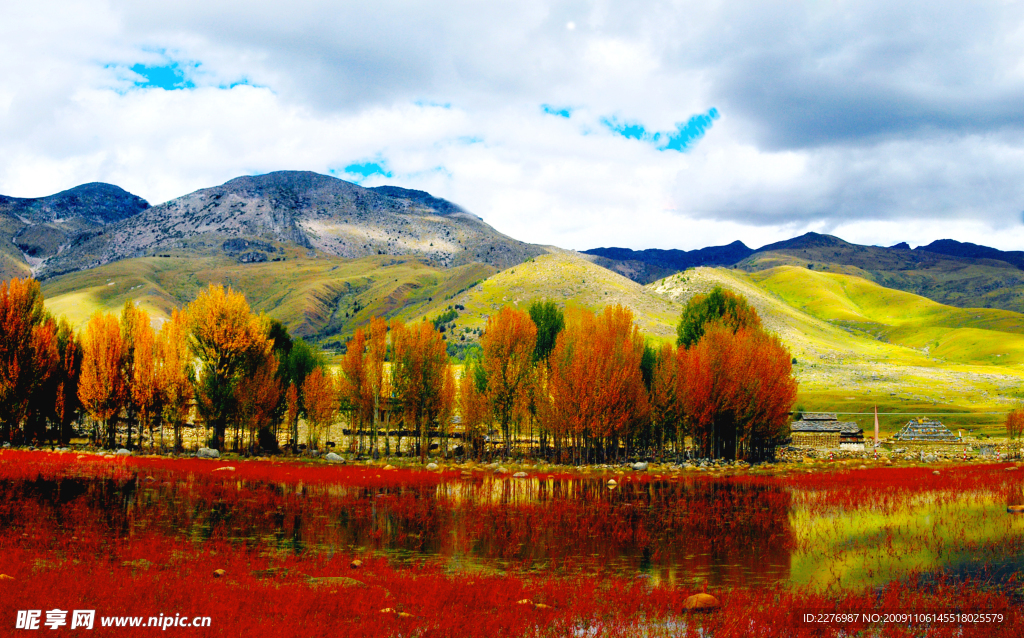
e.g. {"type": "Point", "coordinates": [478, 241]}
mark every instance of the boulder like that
{"type": "Point", "coordinates": [519, 475]}
{"type": "Point", "coordinates": [219, 573]}
{"type": "Point", "coordinates": [389, 467]}
{"type": "Point", "coordinates": [226, 468]}
{"type": "Point", "coordinates": [122, 452]}
{"type": "Point", "coordinates": [334, 458]}
{"type": "Point", "coordinates": [701, 602]}
{"type": "Point", "coordinates": [356, 564]}
{"type": "Point", "coordinates": [640, 467]}
{"type": "Point", "coordinates": [432, 466]}
{"type": "Point", "coordinates": [1015, 509]}
{"type": "Point", "coordinates": [207, 453]}
{"type": "Point", "coordinates": [500, 470]}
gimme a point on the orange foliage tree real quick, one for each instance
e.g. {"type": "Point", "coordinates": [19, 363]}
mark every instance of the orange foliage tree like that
{"type": "Point", "coordinates": [737, 390]}
{"type": "Point", "coordinates": [474, 409]}
{"type": "Point", "coordinates": [102, 388]}
{"type": "Point", "coordinates": [257, 395]}
{"type": "Point", "coordinates": [320, 397]}
{"type": "Point", "coordinates": [67, 405]}
{"type": "Point", "coordinates": [352, 385]}
{"type": "Point", "coordinates": [175, 374]}
{"type": "Point", "coordinates": [28, 353]}
{"type": "Point", "coordinates": [230, 342]}
{"type": "Point", "coordinates": [1015, 423]}
{"type": "Point", "coordinates": [138, 361]}
{"type": "Point", "coordinates": [508, 345]}
{"type": "Point", "coordinates": [419, 373]}
{"type": "Point", "coordinates": [665, 406]}
{"type": "Point", "coordinates": [596, 394]}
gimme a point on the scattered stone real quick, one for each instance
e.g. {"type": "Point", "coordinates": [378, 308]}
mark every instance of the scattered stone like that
{"type": "Point", "coordinates": [334, 458]}
{"type": "Point", "coordinates": [701, 602]}
{"type": "Point", "coordinates": [207, 453]}
{"type": "Point", "coordinates": [519, 475]}
{"type": "Point", "coordinates": [389, 467]}
{"type": "Point", "coordinates": [640, 466]}
{"type": "Point", "coordinates": [226, 468]}
{"type": "Point", "coordinates": [432, 466]}
{"type": "Point", "coordinates": [935, 472]}
{"type": "Point", "coordinates": [122, 452]}
{"type": "Point", "coordinates": [525, 601]}
{"type": "Point", "coordinates": [356, 564]}
{"type": "Point", "coordinates": [219, 573]}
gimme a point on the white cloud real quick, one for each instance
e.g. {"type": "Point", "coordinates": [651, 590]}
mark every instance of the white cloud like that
{"type": "Point", "coordinates": [875, 121]}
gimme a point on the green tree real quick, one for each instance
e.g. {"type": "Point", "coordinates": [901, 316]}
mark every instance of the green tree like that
{"type": "Point", "coordinates": [718, 306]}
{"type": "Point", "coordinates": [550, 320]}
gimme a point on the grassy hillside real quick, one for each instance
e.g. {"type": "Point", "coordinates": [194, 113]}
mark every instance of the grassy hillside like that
{"type": "Point", "coordinates": [564, 277]}
{"type": "Point", "coordinates": [849, 359]}
{"type": "Point", "coordinates": [322, 298]}
{"type": "Point", "coordinates": [855, 344]}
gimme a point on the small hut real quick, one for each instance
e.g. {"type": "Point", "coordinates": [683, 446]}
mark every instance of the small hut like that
{"type": "Point", "coordinates": [922, 430]}
{"type": "Point", "coordinates": [825, 430]}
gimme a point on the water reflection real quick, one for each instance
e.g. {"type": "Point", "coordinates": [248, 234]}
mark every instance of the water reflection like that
{"type": "Point", "coordinates": [724, 532]}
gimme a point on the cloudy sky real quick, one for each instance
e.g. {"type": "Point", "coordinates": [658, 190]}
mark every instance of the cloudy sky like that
{"type": "Point", "coordinates": [579, 124]}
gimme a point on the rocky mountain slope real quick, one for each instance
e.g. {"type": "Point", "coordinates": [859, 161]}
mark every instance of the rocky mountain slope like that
{"type": "Point", "coordinates": [35, 229]}
{"type": "Point", "coordinates": [259, 218]}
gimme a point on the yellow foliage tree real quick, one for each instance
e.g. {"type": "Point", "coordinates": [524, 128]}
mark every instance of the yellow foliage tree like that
{"type": "Point", "coordinates": [230, 342]}
{"type": "Point", "coordinates": [102, 387]}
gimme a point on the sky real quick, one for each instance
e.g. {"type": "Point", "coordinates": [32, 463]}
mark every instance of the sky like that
{"type": "Point", "coordinates": [576, 124]}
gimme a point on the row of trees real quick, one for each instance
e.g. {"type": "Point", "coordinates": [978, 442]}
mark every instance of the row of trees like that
{"type": "Point", "coordinates": [578, 384]}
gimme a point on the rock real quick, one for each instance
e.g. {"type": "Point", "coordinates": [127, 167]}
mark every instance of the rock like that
{"type": "Point", "coordinates": [519, 475]}
{"type": "Point", "coordinates": [935, 472]}
{"type": "Point", "coordinates": [701, 602]}
{"type": "Point", "coordinates": [500, 470]}
{"type": "Point", "coordinates": [432, 466]}
{"type": "Point", "coordinates": [640, 466]}
{"type": "Point", "coordinates": [389, 467]}
{"type": "Point", "coordinates": [334, 458]}
{"type": "Point", "coordinates": [542, 606]}
{"type": "Point", "coordinates": [466, 474]}
{"type": "Point", "coordinates": [612, 483]}
{"type": "Point", "coordinates": [108, 456]}
{"type": "Point", "coordinates": [525, 601]}
{"type": "Point", "coordinates": [122, 452]}
{"type": "Point", "coordinates": [226, 468]}
{"type": "Point", "coordinates": [1015, 509]}
{"type": "Point", "coordinates": [219, 573]}
{"type": "Point", "coordinates": [6, 577]}
{"type": "Point", "coordinates": [356, 564]}
{"type": "Point", "coordinates": [207, 453]}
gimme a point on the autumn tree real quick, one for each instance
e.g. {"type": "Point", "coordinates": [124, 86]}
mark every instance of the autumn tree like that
{"type": "Point", "coordinates": [737, 390]}
{"type": "Point", "coordinates": [320, 397]}
{"type": "Point", "coordinates": [69, 369]}
{"type": "Point", "coordinates": [352, 385]}
{"type": "Point", "coordinates": [596, 388]}
{"type": "Point", "coordinates": [174, 372]}
{"type": "Point", "coordinates": [419, 373]}
{"type": "Point", "coordinates": [27, 351]}
{"type": "Point", "coordinates": [257, 396]}
{"type": "Point", "coordinates": [138, 363]}
{"type": "Point", "coordinates": [230, 343]}
{"type": "Point", "coordinates": [508, 343]}
{"type": "Point", "coordinates": [1015, 423]}
{"type": "Point", "coordinates": [718, 306]}
{"type": "Point", "coordinates": [665, 405]}
{"type": "Point", "coordinates": [102, 387]}
{"type": "Point", "coordinates": [474, 408]}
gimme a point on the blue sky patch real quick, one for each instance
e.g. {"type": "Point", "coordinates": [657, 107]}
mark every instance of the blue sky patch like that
{"type": "Point", "coordinates": [565, 111]}
{"type": "Point", "coordinates": [363, 170]}
{"type": "Point", "coordinates": [168, 77]}
{"type": "Point", "coordinates": [685, 135]}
